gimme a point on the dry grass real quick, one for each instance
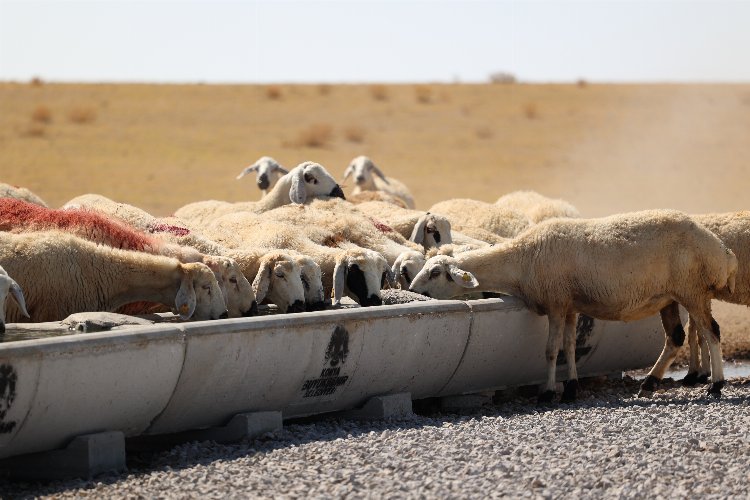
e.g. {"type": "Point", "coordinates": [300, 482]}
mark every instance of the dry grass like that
{"type": "Point", "coordinates": [317, 135]}
{"type": "Point", "coordinates": [355, 133]}
{"type": "Point", "coordinates": [42, 114]}
{"type": "Point", "coordinates": [82, 115]}
{"type": "Point", "coordinates": [379, 92]}
{"type": "Point", "coordinates": [34, 130]}
{"type": "Point", "coordinates": [274, 92]}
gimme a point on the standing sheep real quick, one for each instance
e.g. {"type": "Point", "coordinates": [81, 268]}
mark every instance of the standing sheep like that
{"type": "Point", "coordinates": [619, 268]}
{"type": "Point", "coordinates": [268, 172]}
{"type": "Point", "coordinates": [9, 286]}
{"type": "Point", "coordinates": [536, 206]}
{"type": "Point", "coordinates": [369, 177]}
{"type": "Point", "coordinates": [63, 274]}
{"type": "Point", "coordinates": [306, 181]}
{"type": "Point", "coordinates": [466, 214]}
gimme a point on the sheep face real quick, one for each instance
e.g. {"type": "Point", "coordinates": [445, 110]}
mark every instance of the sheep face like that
{"type": "Point", "coordinates": [441, 278]}
{"type": "Point", "coordinates": [360, 274]}
{"type": "Point", "coordinates": [362, 169]}
{"type": "Point", "coordinates": [407, 266]}
{"type": "Point", "coordinates": [312, 282]}
{"type": "Point", "coordinates": [268, 172]}
{"type": "Point", "coordinates": [310, 180]}
{"type": "Point", "coordinates": [278, 281]}
{"type": "Point", "coordinates": [8, 287]}
{"type": "Point", "coordinates": [431, 231]}
{"type": "Point", "coordinates": [236, 289]}
{"type": "Point", "coordinates": [199, 295]}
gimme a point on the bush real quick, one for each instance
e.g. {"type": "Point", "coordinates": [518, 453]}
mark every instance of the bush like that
{"type": "Point", "coordinates": [274, 92]}
{"type": "Point", "coordinates": [379, 92]}
{"type": "Point", "coordinates": [423, 93]}
{"type": "Point", "coordinates": [82, 115]}
{"type": "Point", "coordinates": [354, 133]}
{"type": "Point", "coordinates": [41, 114]}
{"type": "Point", "coordinates": [317, 135]}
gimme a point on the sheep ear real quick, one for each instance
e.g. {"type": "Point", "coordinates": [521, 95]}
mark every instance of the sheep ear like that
{"type": "Point", "coordinates": [396, 271]}
{"type": "Point", "coordinates": [339, 276]}
{"type": "Point", "coordinates": [298, 191]}
{"type": "Point", "coordinates": [17, 294]}
{"type": "Point", "coordinates": [417, 234]}
{"type": "Point", "coordinates": [251, 168]}
{"type": "Point", "coordinates": [349, 171]}
{"type": "Point", "coordinates": [462, 278]}
{"type": "Point", "coordinates": [185, 300]}
{"type": "Point", "coordinates": [379, 173]}
{"type": "Point", "coordinates": [281, 169]}
{"type": "Point", "coordinates": [262, 281]}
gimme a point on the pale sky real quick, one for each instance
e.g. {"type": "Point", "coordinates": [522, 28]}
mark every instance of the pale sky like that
{"type": "Point", "coordinates": [369, 41]}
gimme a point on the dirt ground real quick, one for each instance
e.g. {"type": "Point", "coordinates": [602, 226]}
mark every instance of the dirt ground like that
{"type": "Point", "coordinates": [604, 148]}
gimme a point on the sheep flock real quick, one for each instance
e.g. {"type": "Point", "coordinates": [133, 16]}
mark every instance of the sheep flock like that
{"type": "Point", "coordinates": [305, 245]}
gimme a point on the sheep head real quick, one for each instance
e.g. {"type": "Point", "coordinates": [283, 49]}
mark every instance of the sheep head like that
{"type": "Point", "coordinates": [362, 169]}
{"type": "Point", "coordinates": [278, 281]}
{"type": "Point", "coordinates": [310, 179]}
{"type": "Point", "coordinates": [441, 278]}
{"type": "Point", "coordinates": [312, 282]}
{"type": "Point", "coordinates": [199, 295]}
{"type": "Point", "coordinates": [268, 172]}
{"type": "Point", "coordinates": [237, 290]}
{"type": "Point", "coordinates": [406, 266]}
{"type": "Point", "coordinates": [360, 274]}
{"type": "Point", "coordinates": [8, 286]}
{"type": "Point", "coordinates": [432, 230]}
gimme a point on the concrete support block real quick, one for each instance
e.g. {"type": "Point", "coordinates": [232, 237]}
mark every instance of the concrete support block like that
{"type": "Point", "coordinates": [466, 401]}
{"type": "Point", "coordinates": [241, 426]}
{"type": "Point", "coordinates": [383, 407]}
{"type": "Point", "coordinates": [84, 457]}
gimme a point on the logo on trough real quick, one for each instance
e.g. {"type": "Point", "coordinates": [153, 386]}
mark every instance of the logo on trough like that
{"type": "Point", "coordinates": [330, 376]}
{"type": "Point", "coordinates": [8, 379]}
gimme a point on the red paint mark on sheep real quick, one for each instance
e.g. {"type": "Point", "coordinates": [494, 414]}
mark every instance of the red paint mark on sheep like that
{"type": "Point", "coordinates": [168, 228]}
{"type": "Point", "coordinates": [18, 215]}
{"type": "Point", "coordinates": [383, 228]}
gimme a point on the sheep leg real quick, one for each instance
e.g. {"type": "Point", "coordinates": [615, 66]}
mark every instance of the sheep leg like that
{"type": "Point", "coordinates": [554, 337]}
{"type": "Point", "coordinates": [674, 338]}
{"type": "Point", "coordinates": [710, 333]}
{"type": "Point", "coordinates": [694, 362]}
{"type": "Point", "coordinates": [704, 370]}
{"type": "Point", "coordinates": [570, 390]}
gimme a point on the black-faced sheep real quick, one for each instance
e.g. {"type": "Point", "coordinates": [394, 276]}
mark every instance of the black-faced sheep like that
{"type": "Point", "coordinates": [624, 267]}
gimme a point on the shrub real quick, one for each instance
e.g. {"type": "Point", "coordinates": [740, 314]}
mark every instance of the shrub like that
{"type": "Point", "coordinates": [530, 111]}
{"type": "Point", "coordinates": [82, 115]}
{"type": "Point", "coordinates": [423, 93]}
{"type": "Point", "coordinates": [354, 133]}
{"type": "Point", "coordinates": [379, 92]}
{"type": "Point", "coordinates": [484, 132]}
{"type": "Point", "coordinates": [36, 82]}
{"type": "Point", "coordinates": [317, 135]}
{"type": "Point", "coordinates": [274, 92]}
{"type": "Point", "coordinates": [324, 89]}
{"type": "Point", "coordinates": [34, 130]}
{"type": "Point", "coordinates": [502, 77]}
{"type": "Point", "coordinates": [42, 114]}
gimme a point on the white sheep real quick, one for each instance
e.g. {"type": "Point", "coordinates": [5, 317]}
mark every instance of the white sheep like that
{"type": "Point", "coordinates": [624, 267]}
{"type": "Point", "coordinates": [9, 287]}
{"type": "Point", "coordinates": [346, 269]}
{"type": "Point", "coordinates": [365, 196]}
{"type": "Point", "coordinates": [99, 219]}
{"type": "Point", "coordinates": [268, 172]}
{"type": "Point", "coordinates": [62, 274]}
{"type": "Point", "coordinates": [465, 214]}
{"type": "Point", "coordinates": [368, 177]}
{"type": "Point", "coordinates": [304, 182]}
{"type": "Point", "coordinates": [733, 229]}
{"type": "Point", "coordinates": [20, 193]}
{"type": "Point", "coordinates": [536, 206]}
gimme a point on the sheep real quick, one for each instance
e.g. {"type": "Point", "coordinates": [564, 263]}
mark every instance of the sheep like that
{"type": "Point", "coordinates": [304, 182]}
{"type": "Point", "coordinates": [733, 229]}
{"type": "Point", "coordinates": [346, 270]}
{"type": "Point", "coordinates": [362, 169]}
{"type": "Point", "coordinates": [365, 196]}
{"type": "Point", "coordinates": [9, 286]}
{"type": "Point", "coordinates": [268, 172]}
{"type": "Point", "coordinates": [623, 267]}
{"type": "Point", "coordinates": [20, 193]}
{"type": "Point", "coordinates": [18, 215]}
{"type": "Point", "coordinates": [62, 274]}
{"type": "Point", "coordinates": [536, 206]}
{"type": "Point", "coordinates": [466, 214]}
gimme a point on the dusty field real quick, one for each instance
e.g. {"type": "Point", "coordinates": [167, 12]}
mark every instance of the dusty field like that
{"type": "Point", "coordinates": [604, 148]}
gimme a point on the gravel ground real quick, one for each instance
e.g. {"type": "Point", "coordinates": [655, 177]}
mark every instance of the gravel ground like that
{"type": "Point", "coordinates": [612, 443]}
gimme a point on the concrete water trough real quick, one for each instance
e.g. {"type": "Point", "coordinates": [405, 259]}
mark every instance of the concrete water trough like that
{"type": "Point", "coordinates": [174, 377]}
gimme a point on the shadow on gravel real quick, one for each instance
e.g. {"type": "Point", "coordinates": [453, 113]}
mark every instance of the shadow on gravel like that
{"type": "Point", "coordinates": [167, 455]}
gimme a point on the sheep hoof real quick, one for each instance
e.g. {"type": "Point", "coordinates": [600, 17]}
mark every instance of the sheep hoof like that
{"type": "Point", "coordinates": [570, 391]}
{"type": "Point", "coordinates": [703, 378]}
{"type": "Point", "coordinates": [546, 397]}
{"type": "Point", "coordinates": [690, 380]}
{"type": "Point", "coordinates": [649, 386]}
{"type": "Point", "coordinates": [714, 390]}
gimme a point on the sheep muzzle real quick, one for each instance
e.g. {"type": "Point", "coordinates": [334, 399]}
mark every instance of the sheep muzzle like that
{"type": "Point", "coordinates": [337, 192]}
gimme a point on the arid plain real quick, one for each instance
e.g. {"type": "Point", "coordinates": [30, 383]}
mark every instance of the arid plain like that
{"type": "Point", "coordinates": [604, 148]}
